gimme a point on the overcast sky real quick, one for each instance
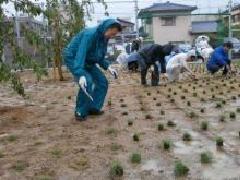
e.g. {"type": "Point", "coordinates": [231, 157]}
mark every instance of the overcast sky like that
{"type": "Point", "coordinates": [118, 8]}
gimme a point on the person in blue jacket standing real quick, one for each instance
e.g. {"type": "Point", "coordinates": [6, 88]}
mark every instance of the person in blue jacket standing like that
{"type": "Point", "coordinates": [220, 60]}
{"type": "Point", "coordinates": [87, 49]}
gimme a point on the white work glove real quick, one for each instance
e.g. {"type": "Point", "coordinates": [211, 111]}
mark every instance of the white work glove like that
{"type": "Point", "coordinates": [113, 72]}
{"type": "Point", "coordinates": [83, 82]}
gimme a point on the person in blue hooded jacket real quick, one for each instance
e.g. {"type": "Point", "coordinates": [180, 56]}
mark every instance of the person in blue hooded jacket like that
{"type": "Point", "coordinates": [220, 60]}
{"type": "Point", "coordinates": [87, 49]}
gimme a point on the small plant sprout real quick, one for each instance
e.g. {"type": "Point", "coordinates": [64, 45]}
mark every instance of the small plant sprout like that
{"type": "Point", "coordinates": [160, 127]}
{"type": "Point", "coordinates": [213, 96]}
{"type": "Point", "coordinates": [180, 169]}
{"type": "Point", "coordinates": [148, 116]}
{"type": "Point", "coordinates": [116, 170]}
{"type": "Point", "coordinates": [202, 110]}
{"type": "Point", "coordinates": [130, 122]}
{"type": "Point", "coordinates": [125, 113]}
{"type": "Point", "coordinates": [238, 109]}
{"type": "Point", "coordinates": [222, 118]}
{"type": "Point", "coordinates": [206, 157]}
{"type": "Point", "coordinates": [223, 102]}
{"type": "Point", "coordinates": [202, 99]}
{"type": "Point", "coordinates": [218, 105]}
{"type": "Point", "coordinates": [148, 94]}
{"type": "Point", "coordinates": [168, 96]}
{"type": "Point", "coordinates": [185, 90]}
{"type": "Point", "coordinates": [183, 97]}
{"type": "Point", "coordinates": [121, 100]}
{"type": "Point", "coordinates": [219, 141]}
{"type": "Point", "coordinates": [162, 112]}
{"type": "Point", "coordinates": [189, 103]}
{"type": "Point", "coordinates": [154, 99]}
{"type": "Point", "coordinates": [212, 90]}
{"type": "Point", "coordinates": [204, 92]}
{"type": "Point", "coordinates": [186, 137]}
{"type": "Point", "coordinates": [180, 87]}
{"type": "Point", "coordinates": [204, 125]}
{"type": "Point", "coordinates": [171, 123]}
{"type": "Point", "coordinates": [232, 115]}
{"type": "Point", "coordinates": [136, 158]}
{"type": "Point", "coordinates": [158, 104]}
{"type": "Point", "coordinates": [195, 94]}
{"type": "Point", "coordinates": [169, 89]}
{"type": "Point", "coordinates": [172, 100]}
{"type": "Point", "coordinates": [192, 115]}
{"type": "Point", "coordinates": [175, 93]}
{"type": "Point", "coordinates": [136, 137]}
{"type": "Point", "coordinates": [158, 92]}
{"type": "Point", "coordinates": [166, 144]}
{"type": "Point", "coordinates": [123, 105]}
{"type": "Point", "coordinates": [109, 102]}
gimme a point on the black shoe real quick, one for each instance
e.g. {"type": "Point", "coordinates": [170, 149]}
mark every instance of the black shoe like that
{"type": "Point", "coordinates": [94, 112]}
{"type": "Point", "coordinates": [80, 118]}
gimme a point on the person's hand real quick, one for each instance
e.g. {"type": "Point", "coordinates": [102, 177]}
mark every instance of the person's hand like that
{"type": "Point", "coordinates": [83, 82]}
{"type": "Point", "coordinates": [164, 77]}
{"type": "Point", "coordinates": [113, 72]}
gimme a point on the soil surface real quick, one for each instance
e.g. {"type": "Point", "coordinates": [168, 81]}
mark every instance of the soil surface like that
{"type": "Point", "coordinates": [40, 140]}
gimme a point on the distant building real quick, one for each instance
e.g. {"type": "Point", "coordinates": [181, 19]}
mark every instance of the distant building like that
{"type": "Point", "coordinates": [168, 22]}
{"type": "Point", "coordinates": [235, 15]}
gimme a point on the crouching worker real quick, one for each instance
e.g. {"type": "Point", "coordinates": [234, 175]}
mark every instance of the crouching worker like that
{"type": "Point", "coordinates": [177, 65]}
{"type": "Point", "coordinates": [219, 59]}
{"type": "Point", "coordinates": [85, 50]}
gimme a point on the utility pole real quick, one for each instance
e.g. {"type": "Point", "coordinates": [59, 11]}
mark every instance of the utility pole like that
{"type": "Point", "coordinates": [136, 18]}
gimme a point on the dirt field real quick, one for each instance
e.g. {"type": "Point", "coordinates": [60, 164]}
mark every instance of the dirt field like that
{"type": "Point", "coordinates": [39, 139]}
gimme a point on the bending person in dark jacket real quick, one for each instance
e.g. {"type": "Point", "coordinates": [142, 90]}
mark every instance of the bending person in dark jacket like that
{"type": "Point", "coordinates": [220, 59]}
{"type": "Point", "coordinates": [152, 55]}
{"type": "Point", "coordinates": [85, 50]}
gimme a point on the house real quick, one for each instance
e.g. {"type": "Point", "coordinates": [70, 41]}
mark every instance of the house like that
{"type": "Point", "coordinates": [168, 22]}
{"type": "Point", "coordinates": [235, 15]}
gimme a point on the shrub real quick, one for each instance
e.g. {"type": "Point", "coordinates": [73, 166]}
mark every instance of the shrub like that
{"type": "Point", "coordinates": [116, 170]}
{"type": "Point", "coordinates": [172, 100]}
{"type": "Point", "coordinates": [136, 158]}
{"type": "Point", "coordinates": [222, 118]}
{"type": "Point", "coordinates": [238, 109]}
{"type": "Point", "coordinates": [206, 157]}
{"type": "Point", "coordinates": [180, 169]}
{"type": "Point", "coordinates": [223, 102]}
{"type": "Point", "coordinates": [218, 105]}
{"type": "Point", "coordinates": [130, 122]}
{"type": "Point", "coordinates": [202, 110]}
{"type": "Point", "coordinates": [192, 114]}
{"type": "Point", "coordinates": [162, 112]}
{"type": "Point", "coordinates": [158, 104]}
{"type": "Point", "coordinates": [183, 97]}
{"type": "Point", "coordinates": [148, 94]}
{"type": "Point", "coordinates": [195, 94]}
{"type": "Point", "coordinates": [123, 105]}
{"type": "Point", "coordinates": [148, 116]}
{"type": "Point", "coordinates": [189, 103]}
{"type": "Point", "coordinates": [125, 113]}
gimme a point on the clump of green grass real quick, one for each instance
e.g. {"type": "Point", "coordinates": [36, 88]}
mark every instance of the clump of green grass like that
{"type": "Point", "coordinates": [219, 141]}
{"type": "Point", "coordinates": [136, 158]}
{"type": "Point", "coordinates": [186, 137]}
{"type": "Point", "coordinates": [238, 109]}
{"type": "Point", "coordinates": [136, 137]}
{"type": "Point", "coordinates": [180, 169]}
{"type": "Point", "coordinates": [166, 144]}
{"type": "Point", "coordinates": [206, 157]}
{"type": "Point", "coordinates": [218, 105]}
{"type": "Point", "coordinates": [171, 124]}
{"type": "Point", "coordinates": [232, 115]}
{"type": "Point", "coordinates": [111, 131]}
{"type": "Point", "coordinates": [20, 166]}
{"type": "Point", "coordinates": [57, 153]}
{"type": "Point", "coordinates": [195, 94]}
{"type": "Point", "coordinates": [172, 100]}
{"type": "Point", "coordinates": [12, 138]}
{"type": "Point", "coordinates": [222, 118]}
{"type": "Point", "coordinates": [123, 105]}
{"type": "Point", "coordinates": [183, 97]}
{"type": "Point", "coordinates": [162, 112]}
{"type": "Point", "coordinates": [116, 170]}
{"type": "Point", "coordinates": [192, 115]}
{"type": "Point", "coordinates": [160, 127]}
{"type": "Point", "coordinates": [115, 147]}
{"type": "Point", "coordinates": [130, 122]}
{"type": "Point", "coordinates": [125, 113]}
{"type": "Point", "coordinates": [204, 125]}
{"type": "Point", "coordinates": [148, 116]}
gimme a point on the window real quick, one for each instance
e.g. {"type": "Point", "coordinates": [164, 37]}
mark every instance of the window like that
{"type": "Point", "coordinates": [168, 21]}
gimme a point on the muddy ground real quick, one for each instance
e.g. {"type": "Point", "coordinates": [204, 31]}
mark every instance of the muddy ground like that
{"type": "Point", "coordinates": [39, 139]}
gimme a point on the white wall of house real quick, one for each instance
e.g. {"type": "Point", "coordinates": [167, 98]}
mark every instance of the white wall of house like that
{"type": "Point", "coordinates": [163, 34]}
